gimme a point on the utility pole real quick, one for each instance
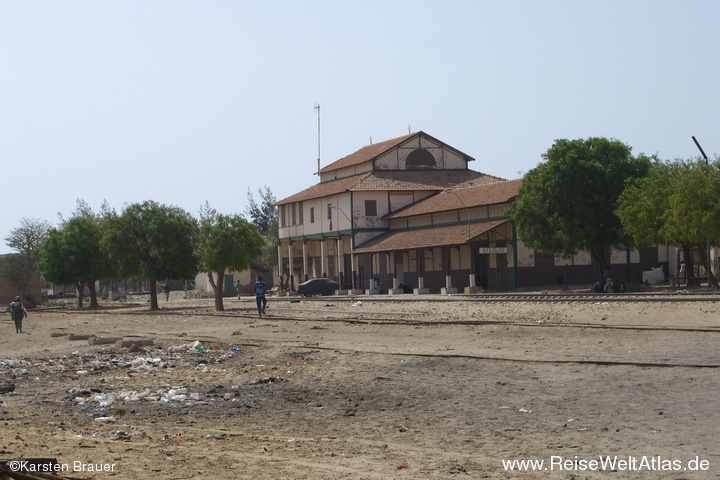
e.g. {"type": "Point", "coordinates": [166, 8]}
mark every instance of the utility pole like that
{"type": "Point", "coordinates": [317, 110]}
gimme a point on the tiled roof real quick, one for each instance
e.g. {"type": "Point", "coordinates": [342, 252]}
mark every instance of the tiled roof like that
{"type": "Point", "coordinates": [373, 151]}
{"type": "Point", "coordinates": [474, 193]}
{"type": "Point", "coordinates": [366, 153]}
{"type": "Point", "coordinates": [322, 189]}
{"type": "Point", "coordinates": [427, 237]}
{"type": "Point", "coordinates": [386, 180]}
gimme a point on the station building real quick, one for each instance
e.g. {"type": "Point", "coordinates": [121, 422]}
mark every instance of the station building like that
{"type": "Point", "coordinates": [410, 213]}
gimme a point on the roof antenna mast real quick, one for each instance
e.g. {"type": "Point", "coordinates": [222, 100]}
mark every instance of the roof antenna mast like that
{"type": "Point", "coordinates": [317, 109]}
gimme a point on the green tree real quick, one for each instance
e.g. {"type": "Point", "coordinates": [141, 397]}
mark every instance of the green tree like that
{"type": "Point", "coordinates": [644, 210]}
{"type": "Point", "coordinates": [644, 202]}
{"type": "Point", "coordinates": [265, 217]}
{"type": "Point", "coordinates": [225, 243]}
{"type": "Point", "coordinates": [693, 216]}
{"type": "Point", "coordinates": [152, 241]}
{"type": "Point", "coordinates": [73, 254]}
{"type": "Point", "coordinates": [675, 204]}
{"type": "Point", "coordinates": [26, 240]}
{"type": "Point", "coordinates": [567, 204]}
{"type": "Point", "coordinates": [264, 214]}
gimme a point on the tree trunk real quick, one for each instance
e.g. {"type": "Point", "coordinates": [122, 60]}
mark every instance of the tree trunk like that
{"type": "Point", "coordinates": [218, 289]}
{"type": "Point", "coordinates": [705, 258]}
{"type": "Point", "coordinates": [601, 260]}
{"type": "Point", "coordinates": [689, 266]}
{"type": "Point", "coordinates": [153, 295]}
{"type": "Point", "coordinates": [80, 288]}
{"type": "Point", "coordinates": [93, 296]}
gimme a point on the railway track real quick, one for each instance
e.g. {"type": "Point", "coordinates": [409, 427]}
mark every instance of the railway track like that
{"type": "Point", "coordinates": [680, 296]}
{"type": "Point", "coordinates": [617, 297]}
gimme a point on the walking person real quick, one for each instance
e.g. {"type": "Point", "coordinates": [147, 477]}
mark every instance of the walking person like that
{"type": "Point", "coordinates": [682, 278]}
{"type": "Point", "coordinates": [238, 288]}
{"type": "Point", "coordinates": [18, 312]}
{"type": "Point", "coordinates": [260, 299]}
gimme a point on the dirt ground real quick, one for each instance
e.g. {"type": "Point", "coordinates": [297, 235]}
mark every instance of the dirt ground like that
{"type": "Point", "coordinates": [398, 387]}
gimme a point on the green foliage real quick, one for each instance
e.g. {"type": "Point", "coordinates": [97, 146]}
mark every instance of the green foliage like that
{"type": "Point", "coordinates": [73, 254]}
{"type": "Point", "coordinates": [225, 243]}
{"type": "Point", "coordinates": [676, 203]}
{"type": "Point", "coordinates": [265, 214]}
{"type": "Point", "coordinates": [643, 204]}
{"type": "Point", "coordinates": [153, 241]}
{"type": "Point", "coordinates": [265, 217]}
{"type": "Point", "coordinates": [693, 217]}
{"type": "Point", "coordinates": [567, 203]}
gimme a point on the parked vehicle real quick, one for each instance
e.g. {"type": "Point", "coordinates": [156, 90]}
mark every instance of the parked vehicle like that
{"type": "Point", "coordinates": [318, 286]}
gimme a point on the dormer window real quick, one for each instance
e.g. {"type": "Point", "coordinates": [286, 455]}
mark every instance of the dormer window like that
{"type": "Point", "coordinates": [420, 159]}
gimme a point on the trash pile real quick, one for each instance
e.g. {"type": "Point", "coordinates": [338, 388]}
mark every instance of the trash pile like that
{"type": "Point", "coordinates": [86, 386]}
{"type": "Point", "coordinates": [96, 401]}
{"type": "Point", "coordinates": [99, 400]}
{"type": "Point", "coordinates": [133, 360]}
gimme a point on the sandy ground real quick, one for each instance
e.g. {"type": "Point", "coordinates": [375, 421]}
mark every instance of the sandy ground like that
{"type": "Point", "coordinates": [386, 388]}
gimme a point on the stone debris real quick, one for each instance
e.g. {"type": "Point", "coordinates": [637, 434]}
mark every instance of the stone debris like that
{"type": "Point", "coordinates": [82, 367]}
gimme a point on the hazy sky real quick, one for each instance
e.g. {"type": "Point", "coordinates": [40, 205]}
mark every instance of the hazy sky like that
{"type": "Point", "coordinates": [184, 102]}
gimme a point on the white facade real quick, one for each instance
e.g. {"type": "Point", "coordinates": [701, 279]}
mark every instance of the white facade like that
{"type": "Point", "coordinates": [320, 226]}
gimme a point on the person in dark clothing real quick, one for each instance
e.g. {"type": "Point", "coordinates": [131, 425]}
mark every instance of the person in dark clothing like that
{"type": "Point", "coordinates": [18, 312]}
{"type": "Point", "coordinates": [260, 299]}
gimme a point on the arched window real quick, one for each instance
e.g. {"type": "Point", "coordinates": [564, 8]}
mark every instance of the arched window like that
{"type": "Point", "coordinates": [420, 159]}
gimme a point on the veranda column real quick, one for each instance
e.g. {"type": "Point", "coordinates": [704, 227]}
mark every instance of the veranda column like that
{"type": "Point", "coordinates": [473, 288]}
{"type": "Point", "coordinates": [395, 282]}
{"type": "Point", "coordinates": [371, 288]}
{"type": "Point", "coordinates": [323, 260]}
{"type": "Point", "coordinates": [353, 262]}
{"type": "Point", "coordinates": [281, 272]}
{"type": "Point", "coordinates": [291, 276]}
{"type": "Point", "coordinates": [448, 273]}
{"type": "Point", "coordinates": [421, 290]}
{"type": "Point", "coordinates": [305, 273]}
{"type": "Point", "coordinates": [339, 265]}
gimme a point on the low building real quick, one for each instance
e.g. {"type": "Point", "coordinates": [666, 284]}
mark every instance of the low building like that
{"type": "Point", "coordinates": [247, 278]}
{"type": "Point", "coordinates": [10, 288]}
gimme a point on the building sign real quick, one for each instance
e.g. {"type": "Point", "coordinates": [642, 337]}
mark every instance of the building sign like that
{"type": "Point", "coordinates": [492, 250]}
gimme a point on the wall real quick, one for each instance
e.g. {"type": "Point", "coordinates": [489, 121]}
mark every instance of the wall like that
{"type": "Point", "coordinates": [346, 172]}
{"type": "Point", "coordinates": [9, 290]}
{"type": "Point", "coordinates": [340, 217]}
{"type": "Point", "coordinates": [445, 159]}
{"type": "Point", "coordinates": [362, 221]}
{"type": "Point", "coordinates": [202, 282]}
